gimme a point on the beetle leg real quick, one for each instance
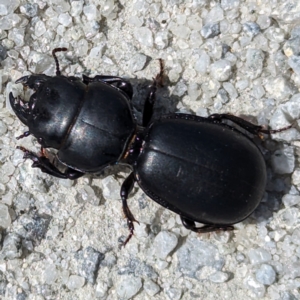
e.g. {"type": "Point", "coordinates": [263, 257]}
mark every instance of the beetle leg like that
{"type": "Point", "coordinates": [118, 82]}
{"type": "Point", "coordinates": [250, 127]}
{"type": "Point", "coordinates": [25, 134]}
{"type": "Point", "coordinates": [149, 103]}
{"type": "Point", "coordinates": [47, 167]}
{"type": "Point", "coordinates": [189, 224]}
{"type": "Point", "coordinates": [126, 188]}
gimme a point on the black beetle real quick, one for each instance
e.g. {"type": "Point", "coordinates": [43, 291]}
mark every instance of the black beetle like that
{"type": "Point", "coordinates": [201, 168]}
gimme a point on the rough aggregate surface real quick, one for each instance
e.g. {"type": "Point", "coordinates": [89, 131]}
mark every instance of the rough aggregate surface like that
{"type": "Point", "coordinates": [61, 239]}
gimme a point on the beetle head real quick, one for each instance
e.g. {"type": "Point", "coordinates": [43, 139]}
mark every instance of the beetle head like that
{"type": "Point", "coordinates": [24, 109]}
{"type": "Point", "coordinates": [52, 107]}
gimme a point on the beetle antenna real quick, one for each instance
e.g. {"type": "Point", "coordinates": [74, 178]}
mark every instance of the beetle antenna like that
{"type": "Point", "coordinates": [56, 60]}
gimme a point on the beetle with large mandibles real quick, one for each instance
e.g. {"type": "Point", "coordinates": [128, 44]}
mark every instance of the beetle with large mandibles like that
{"type": "Point", "coordinates": [201, 168]}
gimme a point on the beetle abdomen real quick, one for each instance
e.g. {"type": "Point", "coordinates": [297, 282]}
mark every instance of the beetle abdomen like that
{"type": "Point", "coordinates": [209, 173]}
{"type": "Point", "coordinates": [101, 130]}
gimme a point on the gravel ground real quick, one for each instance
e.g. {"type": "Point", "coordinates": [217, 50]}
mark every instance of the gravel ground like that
{"type": "Point", "coordinates": [61, 239]}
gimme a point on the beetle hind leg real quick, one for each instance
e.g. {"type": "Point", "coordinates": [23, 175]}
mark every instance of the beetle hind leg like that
{"type": "Point", "coordinates": [189, 224]}
{"type": "Point", "coordinates": [251, 128]}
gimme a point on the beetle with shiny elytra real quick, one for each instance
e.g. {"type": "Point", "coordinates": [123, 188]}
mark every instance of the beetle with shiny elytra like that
{"type": "Point", "coordinates": [200, 168]}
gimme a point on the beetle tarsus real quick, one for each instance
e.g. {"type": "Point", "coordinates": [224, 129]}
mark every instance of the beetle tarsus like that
{"type": "Point", "coordinates": [25, 134]}
{"type": "Point", "coordinates": [126, 189]}
{"type": "Point", "coordinates": [189, 224]}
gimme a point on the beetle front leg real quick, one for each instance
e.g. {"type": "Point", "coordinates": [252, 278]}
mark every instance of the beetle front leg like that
{"type": "Point", "coordinates": [126, 189]}
{"type": "Point", "coordinates": [43, 163]}
{"type": "Point", "coordinates": [250, 127]}
{"type": "Point", "coordinates": [189, 224]}
{"type": "Point", "coordinates": [118, 82]}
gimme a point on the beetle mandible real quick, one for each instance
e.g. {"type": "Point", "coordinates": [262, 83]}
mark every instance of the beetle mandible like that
{"type": "Point", "coordinates": [200, 168]}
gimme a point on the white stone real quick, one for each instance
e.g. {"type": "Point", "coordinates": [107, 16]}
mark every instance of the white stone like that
{"type": "Point", "coordinates": [290, 200]}
{"type": "Point", "coordinates": [164, 243]}
{"type": "Point", "coordinates": [230, 89]}
{"type": "Point", "coordinates": [90, 12]}
{"type": "Point", "coordinates": [75, 282]}
{"type": "Point", "coordinates": [258, 256]}
{"type": "Point", "coordinates": [151, 288]}
{"type": "Point", "coordinates": [265, 274]}
{"type": "Point", "coordinates": [5, 219]}
{"type": "Point", "coordinates": [65, 19]}
{"type": "Point", "coordinates": [76, 8]}
{"type": "Point", "coordinates": [144, 36]}
{"type": "Point", "coordinates": [221, 70]}
{"type": "Point", "coordinates": [202, 63]}
{"type": "Point", "coordinates": [283, 160]}
{"type": "Point", "coordinates": [219, 277]}
{"type": "Point", "coordinates": [128, 286]}
{"type": "Point", "coordinates": [296, 236]}
{"type": "Point", "coordinates": [137, 62]}
{"type": "Point", "coordinates": [50, 274]}
{"type": "Point", "coordinates": [111, 188]}
{"type": "Point", "coordinates": [39, 28]}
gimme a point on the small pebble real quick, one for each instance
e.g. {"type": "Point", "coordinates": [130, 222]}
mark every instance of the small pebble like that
{"type": "Point", "coordinates": [151, 288]}
{"type": "Point", "coordinates": [164, 243]}
{"type": "Point", "coordinates": [210, 30]}
{"type": "Point", "coordinates": [75, 282]}
{"type": "Point", "coordinates": [254, 62]}
{"type": "Point", "coordinates": [221, 70]}
{"type": "Point", "coordinates": [144, 36]}
{"type": "Point", "coordinates": [195, 254]}
{"type": "Point", "coordinates": [162, 39]}
{"type": "Point", "coordinates": [173, 293]}
{"type": "Point", "coordinates": [230, 89]}
{"type": "Point", "coordinates": [265, 274]}
{"type": "Point", "coordinates": [290, 200]}
{"type": "Point", "coordinates": [88, 263]}
{"type": "Point", "coordinates": [137, 62]}
{"type": "Point", "coordinates": [218, 277]}
{"type": "Point", "coordinates": [90, 11]}
{"type": "Point", "coordinates": [29, 9]}
{"type": "Point", "coordinates": [283, 160]}
{"type": "Point", "coordinates": [128, 286]}
{"type": "Point", "coordinates": [294, 63]}
{"type": "Point", "coordinates": [257, 288]}
{"type": "Point", "coordinates": [65, 19]}
{"type": "Point", "coordinates": [291, 47]}
{"type": "Point", "coordinates": [296, 236]}
{"type": "Point", "coordinates": [251, 28]}
{"type": "Point", "coordinates": [40, 28]}
{"type": "Point", "coordinates": [258, 256]}
{"type": "Point", "coordinates": [5, 219]}
{"type": "Point", "coordinates": [202, 63]}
